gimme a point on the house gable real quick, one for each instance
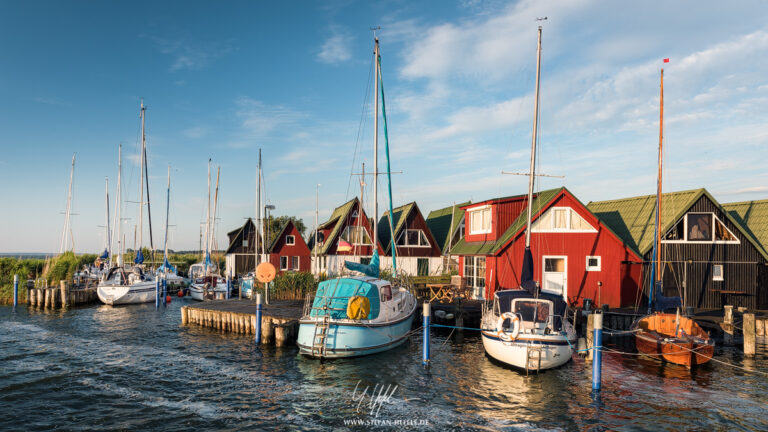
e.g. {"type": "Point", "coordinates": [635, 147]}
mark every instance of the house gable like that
{"type": "Point", "coordinates": [409, 225]}
{"type": "Point", "coordinates": [444, 224]}
{"type": "Point", "coordinates": [753, 216]}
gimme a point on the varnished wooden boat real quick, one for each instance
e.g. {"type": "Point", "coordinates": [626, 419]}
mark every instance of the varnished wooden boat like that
{"type": "Point", "coordinates": [673, 338]}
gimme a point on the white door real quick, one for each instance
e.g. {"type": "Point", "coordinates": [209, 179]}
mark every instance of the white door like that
{"type": "Point", "coordinates": [554, 275]}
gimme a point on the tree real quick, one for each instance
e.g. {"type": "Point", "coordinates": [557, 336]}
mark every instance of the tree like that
{"type": "Point", "coordinates": [274, 225]}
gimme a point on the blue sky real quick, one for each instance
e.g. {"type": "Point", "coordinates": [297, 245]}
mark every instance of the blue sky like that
{"type": "Point", "coordinates": [222, 80]}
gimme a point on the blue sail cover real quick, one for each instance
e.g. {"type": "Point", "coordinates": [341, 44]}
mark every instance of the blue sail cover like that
{"type": "Point", "coordinates": [526, 275]}
{"type": "Point", "coordinates": [662, 303]}
{"type": "Point", "coordinates": [139, 258]}
{"type": "Point", "coordinates": [335, 293]}
{"type": "Point", "coordinates": [104, 255]}
{"type": "Point", "coordinates": [208, 262]}
{"type": "Point", "coordinates": [371, 269]}
{"type": "Point", "coordinates": [167, 267]}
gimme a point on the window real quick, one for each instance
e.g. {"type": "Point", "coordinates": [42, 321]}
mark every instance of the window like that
{"type": "Point", "coordinates": [245, 243]}
{"type": "Point", "coordinates": [700, 228]}
{"type": "Point", "coordinates": [412, 238]}
{"type": "Point", "coordinates": [290, 240]}
{"type": "Point", "coordinates": [356, 235]}
{"type": "Point", "coordinates": [480, 220]}
{"type": "Point", "coordinates": [560, 219]}
{"type": "Point", "coordinates": [593, 263]}
{"type": "Point", "coordinates": [474, 272]}
{"type": "Point", "coordinates": [320, 238]}
{"type": "Point", "coordinates": [717, 272]}
{"type": "Point", "coordinates": [283, 263]}
{"type": "Point", "coordinates": [295, 263]}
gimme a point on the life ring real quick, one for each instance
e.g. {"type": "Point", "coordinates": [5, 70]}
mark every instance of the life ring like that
{"type": "Point", "coordinates": [508, 336]}
{"type": "Point", "coordinates": [97, 263]}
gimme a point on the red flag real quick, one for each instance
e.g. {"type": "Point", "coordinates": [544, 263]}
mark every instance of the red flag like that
{"type": "Point", "coordinates": [666, 60]}
{"type": "Point", "coordinates": [343, 246]}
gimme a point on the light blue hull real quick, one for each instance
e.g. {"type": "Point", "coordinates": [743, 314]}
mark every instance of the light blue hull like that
{"type": "Point", "coordinates": [350, 340]}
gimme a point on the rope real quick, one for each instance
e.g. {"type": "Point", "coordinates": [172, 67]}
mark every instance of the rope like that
{"type": "Point", "coordinates": [461, 328]}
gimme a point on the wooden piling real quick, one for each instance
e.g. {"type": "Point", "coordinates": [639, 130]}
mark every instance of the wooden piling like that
{"type": "Point", "coordinates": [760, 328]}
{"type": "Point", "coordinates": [748, 326]}
{"type": "Point", "coordinates": [281, 335]}
{"type": "Point", "coordinates": [64, 291]}
{"type": "Point", "coordinates": [47, 299]}
{"type": "Point", "coordinates": [727, 326]}
{"type": "Point", "coordinates": [184, 316]}
{"type": "Point", "coordinates": [267, 330]}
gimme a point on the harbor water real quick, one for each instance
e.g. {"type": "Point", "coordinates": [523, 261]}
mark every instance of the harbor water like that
{"type": "Point", "coordinates": [136, 368]}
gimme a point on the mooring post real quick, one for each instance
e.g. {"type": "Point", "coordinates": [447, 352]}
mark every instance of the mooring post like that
{"type": "Point", "coordinates": [165, 292]}
{"type": "Point", "coordinates": [749, 334]}
{"type": "Point", "coordinates": [229, 287]}
{"type": "Point", "coordinates": [728, 328]}
{"type": "Point", "coordinates": [15, 290]}
{"type": "Point", "coordinates": [590, 335]}
{"type": "Point", "coordinates": [427, 311]}
{"type": "Point", "coordinates": [157, 291]}
{"type": "Point", "coordinates": [598, 349]}
{"type": "Point", "coordinates": [257, 330]}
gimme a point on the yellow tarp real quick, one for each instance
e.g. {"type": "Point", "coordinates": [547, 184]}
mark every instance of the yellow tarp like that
{"type": "Point", "coordinates": [358, 307]}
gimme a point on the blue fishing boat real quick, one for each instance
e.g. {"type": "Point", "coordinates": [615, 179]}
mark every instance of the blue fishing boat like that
{"type": "Point", "coordinates": [359, 315]}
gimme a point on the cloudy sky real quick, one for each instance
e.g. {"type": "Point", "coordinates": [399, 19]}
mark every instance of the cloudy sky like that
{"type": "Point", "coordinates": [222, 80]}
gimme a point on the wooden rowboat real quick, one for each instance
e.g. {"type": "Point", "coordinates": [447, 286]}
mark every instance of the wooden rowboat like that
{"type": "Point", "coordinates": [673, 338]}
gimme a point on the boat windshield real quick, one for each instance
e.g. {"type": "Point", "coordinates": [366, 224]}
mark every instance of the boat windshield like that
{"type": "Point", "coordinates": [532, 310]}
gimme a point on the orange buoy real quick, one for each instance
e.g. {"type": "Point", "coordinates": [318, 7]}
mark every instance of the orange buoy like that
{"type": "Point", "coordinates": [167, 299]}
{"type": "Point", "coordinates": [181, 293]}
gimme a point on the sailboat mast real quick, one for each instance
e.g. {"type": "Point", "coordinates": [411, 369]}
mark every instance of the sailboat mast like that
{"type": "Point", "coordinates": [531, 172]}
{"type": "Point", "coordinates": [657, 240]}
{"type": "Point", "coordinates": [167, 212]}
{"type": "Point", "coordinates": [65, 234]}
{"type": "Point", "coordinates": [107, 238]}
{"type": "Point", "coordinates": [258, 237]}
{"type": "Point", "coordinates": [213, 215]}
{"type": "Point", "coordinates": [118, 220]}
{"type": "Point", "coordinates": [207, 220]}
{"type": "Point", "coordinates": [141, 175]}
{"type": "Point", "coordinates": [375, 149]}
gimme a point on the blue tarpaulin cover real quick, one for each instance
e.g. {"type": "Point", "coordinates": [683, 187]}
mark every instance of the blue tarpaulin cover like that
{"type": "Point", "coordinates": [139, 257]}
{"type": "Point", "coordinates": [371, 269]}
{"type": "Point", "coordinates": [338, 292]}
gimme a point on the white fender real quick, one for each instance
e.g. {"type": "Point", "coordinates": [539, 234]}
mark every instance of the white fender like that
{"type": "Point", "coordinates": [508, 337]}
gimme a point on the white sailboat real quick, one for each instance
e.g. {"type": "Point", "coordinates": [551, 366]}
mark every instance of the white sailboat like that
{"type": "Point", "coordinates": [525, 328]}
{"type": "Point", "coordinates": [359, 315]}
{"type": "Point", "coordinates": [167, 271]}
{"type": "Point", "coordinates": [122, 284]}
{"type": "Point", "coordinates": [207, 283]}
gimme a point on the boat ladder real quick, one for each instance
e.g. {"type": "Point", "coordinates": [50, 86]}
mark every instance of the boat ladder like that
{"type": "Point", "coordinates": [533, 358]}
{"type": "Point", "coordinates": [319, 342]}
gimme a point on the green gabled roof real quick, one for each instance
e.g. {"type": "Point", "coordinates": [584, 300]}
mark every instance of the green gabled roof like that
{"type": "Point", "coordinates": [444, 222]}
{"type": "Point", "coordinates": [753, 216]}
{"type": "Point", "coordinates": [540, 201]}
{"type": "Point", "coordinates": [399, 218]}
{"type": "Point", "coordinates": [337, 219]}
{"type": "Point", "coordinates": [633, 219]}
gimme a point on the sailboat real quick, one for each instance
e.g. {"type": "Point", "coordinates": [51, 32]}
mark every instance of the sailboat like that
{"type": "Point", "coordinates": [526, 328]}
{"type": "Point", "coordinates": [359, 315]}
{"type": "Point", "coordinates": [166, 270]}
{"type": "Point", "coordinates": [123, 284]}
{"type": "Point", "coordinates": [668, 336]}
{"type": "Point", "coordinates": [206, 281]}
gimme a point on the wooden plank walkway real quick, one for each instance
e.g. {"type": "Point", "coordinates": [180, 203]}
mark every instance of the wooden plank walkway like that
{"type": "Point", "coordinates": [279, 319]}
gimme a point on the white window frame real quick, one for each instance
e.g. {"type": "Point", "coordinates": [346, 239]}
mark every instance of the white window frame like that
{"type": "Point", "coordinates": [283, 259]}
{"type": "Point", "coordinates": [715, 220]}
{"type": "Point", "coordinates": [345, 233]}
{"type": "Point", "coordinates": [405, 233]}
{"type": "Point", "coordinates": [290, 240]}
{"type": "Point", "coordinates": [715, 276]}
{"type": "Point", "coordinates": [552, 229]}
{"type": "Point", "coordinates": [480, 210]}
{"type": "Point", "coordinates": [596, 267]}
{"type": "Point", "coordinates": [476, 289]}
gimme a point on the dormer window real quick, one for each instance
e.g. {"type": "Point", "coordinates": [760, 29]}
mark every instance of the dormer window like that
{"type": "Point", "coordinates": [412, 238]}
{"type": "Point", "coordinates": [356, 235]}
{"type": "Point", "coordinates": [700, 228]}
{"type": "Point", "coordinates": [561, 219]}
{"type": "Point", "coordinates": [480, 220]}
{"type": "Point", "coordinates": [290, 240]}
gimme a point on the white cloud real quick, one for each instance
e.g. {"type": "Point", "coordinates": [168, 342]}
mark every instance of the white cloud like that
{"type": "Point", "coordinates": [189, 55]}
{"type": "Point", "coordinates": [335, 49]}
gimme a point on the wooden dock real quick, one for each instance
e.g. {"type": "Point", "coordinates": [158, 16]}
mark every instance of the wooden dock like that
{"type": "Point", "coordinates": [279, 319]}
